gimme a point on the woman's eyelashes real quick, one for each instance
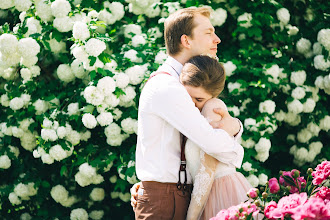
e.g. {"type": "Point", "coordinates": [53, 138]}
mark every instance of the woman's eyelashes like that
{"type": "Point", "coordinates": [199, 100]}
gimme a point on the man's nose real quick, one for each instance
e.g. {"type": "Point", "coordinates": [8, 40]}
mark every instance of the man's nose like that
{"type": "Point", "coordinates": [217, 40]}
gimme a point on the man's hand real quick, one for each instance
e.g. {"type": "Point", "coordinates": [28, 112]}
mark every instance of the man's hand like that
{"type": "Point", "coordinates": [229, 124]}
{"type": "Point", "coordinates": [134, 194]}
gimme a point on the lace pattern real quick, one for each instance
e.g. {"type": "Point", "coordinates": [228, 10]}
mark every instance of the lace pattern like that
{"type": "Point", "coordinates": [202, 181]}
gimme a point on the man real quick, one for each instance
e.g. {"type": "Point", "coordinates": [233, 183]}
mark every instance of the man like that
{"type": "Point", "coordinates": [166, 111]}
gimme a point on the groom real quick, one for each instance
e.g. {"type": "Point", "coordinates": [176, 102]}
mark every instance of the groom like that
{"type": "Point", "coordinates": [166, 111]}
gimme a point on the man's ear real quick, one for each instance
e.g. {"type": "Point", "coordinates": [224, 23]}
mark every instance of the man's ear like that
{"type": "Point", "coordinates": [185, 41]}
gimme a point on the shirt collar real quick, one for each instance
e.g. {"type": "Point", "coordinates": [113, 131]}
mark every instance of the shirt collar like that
{"type": "Point", "coordinates": [176, 65]}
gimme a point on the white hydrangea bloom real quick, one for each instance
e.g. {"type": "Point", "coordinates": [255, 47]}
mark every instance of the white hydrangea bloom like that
{"type": "Point", "coordinates": [117, 10]}
{"type": "Point", "coordinates": [105, 118]}
{"type": "Point", "coordinates": [235, 110]}
{"type": "Point", "coordinates": [79, 214]}
{"type": "Point", "coordinates": [325, 123]}
{"type": "Point", "coordinates": [61, 132]}
{"type": "Point", "coordinates": [132, 55]}
{"type": "Point", "coordinates": [267, 106]}
{"type": "Point", "coordinates": [28, 47]}
{"type": "Point", "coordinates": [96, 214]}
{"type": "Point", "coordinates": [80, 31]}
{"type": "Point", "coordinates": [283, 15]}
{"type": "Point", "coordinates": [253, 180]}
{"type": "Point", "coordinates": [161, 57]}
{"type": "Point", "coordinates": [89, 121]}
{"type": "Point", "coordinates": [7, 4]}
{"type": "Point", "coordinates": [14, 199]}
{"type": "Point", "coordinates": [16, 103]}
{"type": "Point", "coordinates": [113, 179]}
{"type": "Point", "coordinates": [292, 30]}
{"type": "Point", "coordinates": [40, 106]}
{"type": "Point", "coordinates": [233, 86]}
{"type": "Point", "coordinates": [106, 85]}
{"type": "Point", "coordinates": [87, 170]}
{"type": "Point", "coordinates": [47, 159]}
{"type": "Point", "coordinates": [48, 134]}
{"type": "Point", "coordinates": [112, 130]}
{"type": "Point", "coordinates": [247, 166]}
{"type": "Point", "coordinates": [153, 10]}
{"type": "Point", "coordinates": [25, 216]}
{"type": "Point", "coordinates": [136, 74]}
{"type": "Point", "coordinates": [8, 44]}
{"type": "Point", "coordinates": [263, 145]}
{"type": "Point", "coordinates": [138, 41]}
{"type": "Point", "coordinates": [84, 136]}
{"type": "Point", "coordinates": [44, 11]}
{"type": "Point", "coordinates": [245, 17]}
{"type": "Point", "coordinates": [230, 67]}
{"type": "Point", "coordinates": [93, 95]}
{"type": "Point", "coordinates": [5, 162]}
{"type": "Point", "coordinates": [73, 108]}
{"type": "Point", "coordinates": [109, 101]}
{"type": "Point", "coordinates": [317, 48]}
{"type": "Point", "coordinates": [22, 5]}
{"type": "Point", "coordinates": [14, 150]}
{"type": "Point", "coordinates": [313, 128]}
{"type": "Point", "coordinates": [304, 135]}
{"type": "Point", "coordinates": [129, 94]}
{"type": "Point", "coordinates": [115, 140]}
{"type": "Point", "coordinates": [121, 79]}
{"type": "Point", "coordinates": [132, 29]}
{"type": "Point", "coordinates": [33, 26]}
{"type": "Point", "coordinates": [94, 47]}
{"type": "Point", "coordinates": [249, 143]}
{"type": "Point", "coordinates": [63, 24]}
{"type": "Point", "coordinates": [57, 152]}
{"type": "Point", "coordinates": [323, 37]}
{"type": "Point", "coordinates": [107, 17]}
{"type": "Point", "coordinates": [316, 147]}
{"type": "Point", "coordinates": [301, 154]}
{"type": "Point", "coordinates": [295, 106]}
{"type": "Point", "coordinates": [80, 54]}
{"type": "Point", "coordinates": [298, 77]}
{"type": "Point", "coordinates": [97, 194]}
{"type": "Point", "coordinates": [303, 46]}
{"type": "Point", "coordinates": [64, 73]}
{"type": "Point", "coordinates": [320, 63]}
{"type": "Point", "coordinates": [60, 8]}
{"type": "Point", "coordinates": [263, 179]}
{"type": "Point", "coordinates": [78, 70]}
{"type": "Point", "coordinates": [298, 93]}
{"type": "Point", "coordinates": [61, 195]}
{"type": "Point", "coordinates": [29, 61]}
{"type": "Point", "coordinates": [128, 125]}
{"type": "Point", "coordinates": [262, 156]}
{"type": "Point", "coordinates": [218, 17]}
{"type": "Point", "coordinates": [309, 105]}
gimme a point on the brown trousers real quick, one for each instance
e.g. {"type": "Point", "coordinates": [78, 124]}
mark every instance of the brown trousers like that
{"type": "Point", "coordinates": [162, 201]}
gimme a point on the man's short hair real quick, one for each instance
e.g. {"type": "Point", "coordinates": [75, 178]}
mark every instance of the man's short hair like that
{"type": "Point", "coordinates": [179, 23]}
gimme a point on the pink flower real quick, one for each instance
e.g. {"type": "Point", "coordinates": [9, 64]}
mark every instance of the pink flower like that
{"type": "Point", "coordinates": [240, 211]}
{"type": "Point", "coordinates": [269, 209]}
{"type": "Point", "coordinates": [253, 193]}
{"type": "Point", "coordinates": [323, 193]}
{"type": "Point", "coordinates": [322, 172]}
{"type": "Point", "coordinates": [289, 204]}
{"type": "Point", "coordinates": [274, 187]}
{"type": "Point", "coordinates": [314, 208]}
{"type": "Point", "coordinates": [287, 180]}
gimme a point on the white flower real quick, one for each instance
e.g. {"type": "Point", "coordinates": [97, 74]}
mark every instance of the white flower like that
{"type": "Point", "coordinates": [113, 179]}
{"type": "Point", "coordinates": [28, 47]}
{"type": "Point", "coordinates": [87, 170]}
{"type": "Point", "coordinates": [73, 108]}
{"type": "Point", "coordinates": [129, 94]}
{"type": "Point", "coordinates": [64, 73]}
{"type": "Point", "coordinates": [218, 17]}
{"type": "Point", "coordinates": [63, 24]}
{"type": "Point", "coordinates": [283, 15]}
{"type": "Point", "coordinates": [57, 152]}
{"type": "Point", "coordinates": [61, 132]}
{"type": "Point", "coordinates": [46, 123]}
{"type": "Point", "coordinates": [298, 77]}
{"type": "Point", "coordinates": [22, 5]}
{"type": "Point", "coordinates": [132, 29]}
{"type": "Point", "coordinates": [303, 46]}
{"type": "Point", "coordinates": [25, 216]}
{"type": "Point", "coordinates": [117, 114]}
{"type": "Point", "coordinates": [105, 118]}
{"type": "Point", "coordinates": [128, 125]}
{"type": "Point", "coordinates": [4, 100]}
{"type": "Point", "coordinates": [249, 143]}
{"type": "Point", "coordinates": [8, 44]}
{"type": "Point", "coordinates": [247, 17]}
{"type": "Point", "coordinates": [84, 136]}
{"type": "Point", "coordinates": [6, 4]}
{"type": "Point", "coordinates": [324, 38]}
{"type": "Point", "coordinates": [106, 85]}
{"type": "Point", "coordinates": [274, 71]}
{"type": "Point", "coordinates": [80, 31]}
{"type": "Point", "coordinates": [60, 8]}
{"type": "Point", "coordinates": [14, 150]}
{"type": "Point", "coordinates": [96, 214]}
{"type": "Point", "coordinates": [5, 162]}
{"type": "Point", "coordinates": [115, 140]}
{"type": "Point", "coordinates": [298, 93]}
{"type": "Point", "coordinates": [79, 214]}
{"type": "Point", "coordinates": [89, 121]}
{"type": "Point", "coordinates": [262, 156]}
{"type": "Point", "coordinates": [317, 48]}
{"type": "Point", "coordinates": [247, 166]}
{"type": "Point", "coordinates": [253, 180]}
{"type": "Point", "coordinates": [136, 74]}
{"type": "Point", "coordinates": [33, 26]}
{"type": "Point", "coordinates": [320, 63]}
{"type": "Point", "coordinates": [13, 198]}
{"type": "Point", "coordinates": [16, 103]}
{"type": "Point", "coordinates": [267, 106]}
{"type": "Point", "coordinates": [78, 70]}
{"type": "Point", "coordinates": [233, 86]}
{"type": "Point", "coordinates": [44, 11]}
{"type": "Point", "coordinates": [319, 82]}
{"type": "Point", "coordinates": [234, 110]}
{"type": "Point", "coordinates": [325, 123]}
{"type": "Point", "coordinates": [304, 135]}
{"type": "Point", "coordinates": [94, 47]}
{"type": "Point", "coordinates": [112, 130]}
{"type": "Point", "coordinates": [97, 194]}
{"type": "Point", "coordinates": [153, 10]}
{"type": "Point", "coordinates": [122, 80]}
{"type": "Point", "coordinates": [292, 30]}
{"type": "Point", "coordinates": [316, 147]}
{"type": "Point", "coordinates": [93, 95]}
{"type": "Point", "coordinates": [313, 128]}
{"type": "Point", "coordinates": [80, 54]}
{"type": "Point", "coordinates": [25, 190]}
{"type": "Point", "coordinates": [160, 57]}
{"type": "Point", "coordinates": [47, 159]}
{"type": "Point", "coordinates": [138, 41]}
{"type": "Point", "coordinates": [107, 17]}
{"type": "Point", "coordinates": [29, 61]}
{"type": "Point", "coordinates": [309, 105]}
{"type": "Point", "coordinates": [125, 197]}
{"type": "Point", "coordinates": [295, 106]}
{"type": "Point", "coordinates": [301, 154]}
{"type": "Point", "coordinates": [117, 10]}
{"type": "Point", "coordinates": [132, 55]}
{"type": "Point", "coordinates": [263, 145]}
{"type": "Point", "coordinates": [49, 134]}
{"type": "Point", "coordinates": [229, 68]}
{"type": "Point", "coordinates": [59, 193]}
{"type": "Point", "coordinates": [263, 179]}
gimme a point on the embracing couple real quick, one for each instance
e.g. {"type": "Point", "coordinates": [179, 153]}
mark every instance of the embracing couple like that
{"type": "Point", "coordinates": [187, 150]}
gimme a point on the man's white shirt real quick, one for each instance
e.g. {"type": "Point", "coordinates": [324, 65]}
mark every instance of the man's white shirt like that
{"type": "Point", "coordinates": [165, 110]}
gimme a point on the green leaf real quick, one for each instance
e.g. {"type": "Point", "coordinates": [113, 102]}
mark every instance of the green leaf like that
{"type": "Point", "coordinates": [92, 74]}
{"type": "Point", "coordinates": [64, 169]}
{"type": "Point", "coordinates": [89, 109]}
{"type": "Point", "coordinates": [92, 60]}
{"type": "Point", "coordinates": [45, 184]}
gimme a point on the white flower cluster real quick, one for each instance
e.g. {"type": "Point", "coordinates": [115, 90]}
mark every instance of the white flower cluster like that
{"type": "Point", "coordinates": [161, 57]}
{"type": "Point", "coordinates": [87, 175]}
{"type": "Point", "coordinates": [303, 155]}
{"type": "Point", "coordinates": [136, 73]}
{"type": "Point", "coordinates": [321, 63]}
{"type": "Point", "coordinates": [298, 77]}
{"type": "Point", "coordinates": [283, 15]}
{"type": "Point", "coordinates": [218, 17]}
{"type": "Point", "coordinates": [323, 37]}
{"type": "Point", "coordinates": [230, 67]}
{"type": "Point", "coordinates": [132, 56]}
{"type": "Point", "coordinates": [112, 12]}
{"type": "Point", "coordinates": [44, 11]}
{"type": "Point", "coordinates": [267, 106]}
{"type": "Point", "coordinates": [5, 162]}
{"type": "Point", "coordinates": [96, 214]}
{"type": "Point", "coordinates": [60, 10]}
{"type": "Point", "coordinates": [236, 85]}
{"type": "Point", "coordinates": [253, 180]}
{"type": "Point", "coordinates": [125, 197]}
{"type": "Point", "coordinates": [79, 214]}
{"type": "Point", "coordinates": [275, 71]}
{"type": "Point", "coordinates": [129, 125]}
{"type": "Point", "coordinates": [113, 134]}
{"type": "Point", "coordinates": [97, 194]}
{"type": "Point", "coordinates": [61, 195]}
{"type": "Point", "coordinates": [245, 20]}
{"type": "Point", "coordinates": [22, 192]}
{"type": "Point", "coordinates": [262, 148]}
{"type": "Point", "coordinates": [325, 123]}
{"type": "Point", "coordinates": [148, 7]}
{"type": "Point", "coordinates": [304, 47]}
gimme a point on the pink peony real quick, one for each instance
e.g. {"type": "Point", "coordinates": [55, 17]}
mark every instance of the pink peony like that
{"type": "Point", "coordinates": [323, 193]}
{"type": "Point", "coordinates": [253, 193]}
{"type": "Point", "coordinates": [274, 187]}
{"type": "Point", "coordinates": [293, 183]}
{"type": "Point", "coordinates": [289, 204]}
{"type": "Point", "coordinates": [269, 209]}
{"type": "Point", "coordinates": [314, 208]}
{"type": "Point", "coordinates": [321, 173]}
{"type": "Point", "coordinates": [240, 211]}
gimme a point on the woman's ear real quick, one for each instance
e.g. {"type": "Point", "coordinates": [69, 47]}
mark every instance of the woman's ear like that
{"type": "Point", "coordinates": [185, 41]}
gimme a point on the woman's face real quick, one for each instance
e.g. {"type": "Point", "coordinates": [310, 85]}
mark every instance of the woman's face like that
{"type": "Point", "coordinates": [198, 95]}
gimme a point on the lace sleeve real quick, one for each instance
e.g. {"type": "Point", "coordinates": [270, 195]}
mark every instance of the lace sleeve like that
{"type": "Point", "coordinates": [202, 186]}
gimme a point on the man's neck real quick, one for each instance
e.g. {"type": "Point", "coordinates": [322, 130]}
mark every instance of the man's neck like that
{"type": "Point", "coordinates": [181, 58]}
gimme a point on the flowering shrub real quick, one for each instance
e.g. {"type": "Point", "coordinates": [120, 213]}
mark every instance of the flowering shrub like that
{"type": "Point", "coordinates": [292, 197]}
{"type": "Point", "coordinates": [71, 72]}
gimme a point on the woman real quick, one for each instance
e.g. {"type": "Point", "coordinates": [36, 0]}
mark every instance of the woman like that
{"type": "Point", "coordinates": [217, 185]}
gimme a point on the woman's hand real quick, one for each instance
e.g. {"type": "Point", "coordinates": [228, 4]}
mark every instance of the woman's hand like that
{"type": "Point", "coordinates": [134, 194]}
{"type": "Point", "coordinates": [229, 124]}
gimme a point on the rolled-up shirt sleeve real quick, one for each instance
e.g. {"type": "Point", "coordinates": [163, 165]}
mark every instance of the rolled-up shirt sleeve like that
{"type": "Point", "coordinates": [176, 107]}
